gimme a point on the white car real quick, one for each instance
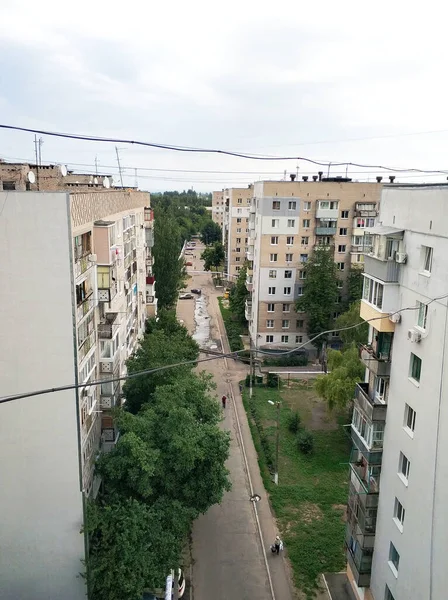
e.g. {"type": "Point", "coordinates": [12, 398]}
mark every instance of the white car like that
{"type": "Point", "coordinates": [159, 593]}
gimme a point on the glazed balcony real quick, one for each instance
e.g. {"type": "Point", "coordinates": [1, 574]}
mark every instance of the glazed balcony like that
{"type": "Point", "coordinates": [378, 364]}
{"type": "Point", "coordinates": [366, 209]}
{"type": "Point", "coordinates": [323, 230]}
{"type": "Point", "coordinates": [248, 310]}
{"type": "Point", "coordinates": [249, 283]}
{"type": "Point", "coordinates": [362, 524]}
{"type": "Point", "coordinates": [359, 560]}
{"type": "Point", "coordinates": [371, 407]}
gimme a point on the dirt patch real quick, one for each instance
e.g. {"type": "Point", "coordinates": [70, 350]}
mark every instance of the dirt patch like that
{"type": "Point", "coordinates": [307, 512]}
{"type": "Point", "coordinates": [343, 509]}
{"type": "Point", "coordinates": [321, 418]}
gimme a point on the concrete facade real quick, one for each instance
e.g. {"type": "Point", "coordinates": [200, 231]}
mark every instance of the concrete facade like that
{"type": "Point", "coordinates": [218, 208]}
{"type": "Point", "coordinates": [287, 219]}
{"type": "Point", "coordinates": [396, 548]}
{"type": "Point", "coordinates": [72, 311]}
{"type": "Point", "coordinates": [236, 228]}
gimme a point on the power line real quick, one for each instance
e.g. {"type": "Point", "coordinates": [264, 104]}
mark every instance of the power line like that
{"type": "Point", "coordinates": [186, 149]}
{"type": "Point", "coordinates": [215, 356]}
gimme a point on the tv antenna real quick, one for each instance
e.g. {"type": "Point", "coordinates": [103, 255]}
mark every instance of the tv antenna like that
{"type": "Point", "coordinates": [119, 166]}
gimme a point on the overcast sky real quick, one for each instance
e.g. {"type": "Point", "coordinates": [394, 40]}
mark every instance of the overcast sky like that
{"type": "Point", "coordinates": [285, 78]}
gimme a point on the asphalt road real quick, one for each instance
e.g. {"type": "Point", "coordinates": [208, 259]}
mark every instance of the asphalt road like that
{"type": "Point", "coordinates": [231, 560]}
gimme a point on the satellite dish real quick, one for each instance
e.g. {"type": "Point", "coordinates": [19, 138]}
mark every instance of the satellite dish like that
{"type": "Point", "coordinates": [91, 180]}
{"type": "Point", "coordinates": [63, 170]}
{"type": "Point", "coordinates": [31, 177]}
{"type": "Point", "coordinates": [106, 183]}
{"type": "Point", "coordinates": [95, 181]}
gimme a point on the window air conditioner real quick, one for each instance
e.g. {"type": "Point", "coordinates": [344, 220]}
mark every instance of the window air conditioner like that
{"type": "Point", "coordinates": [395, 318]}
{"type": "Point", "coordinates": [414, 335]}
{"type": "Point", "coordinates": [401, 258]}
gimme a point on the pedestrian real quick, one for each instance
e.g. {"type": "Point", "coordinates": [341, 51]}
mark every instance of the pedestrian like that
{"type": "Point", "coordinates": [278, 544]}
{"type": "Point", "coordinates": [224, 400]}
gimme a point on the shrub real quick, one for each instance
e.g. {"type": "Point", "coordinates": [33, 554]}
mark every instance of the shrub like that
{"type": "Point", "coordinates": [305, 441]}
{"type": "Point", "coordinates": [273, 380]}
{"type": "Point", "coordinates": [294, 422]}
{"type": "Point", "coordinates": [290, 360]}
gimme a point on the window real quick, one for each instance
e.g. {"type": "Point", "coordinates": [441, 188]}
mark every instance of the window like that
{"type": "Point", "coordinates": [404, 466]}
{"type": "Point", "coordinates": [274, 240]}
{"type": "Point", "coordinates": [292, 205]}
{"type": "Point", "coordinates": [271, 291]}
{"type": "Point", "coordinates": [306, 223]}
{"type": "Point", "coordinates": [288, 274]}
{"type": "Point", "coordinates": [270, 323]}
{"type": "Point", "coordinates": [302, 274]}
{"type": "Point", "coordinates": [287, 291]}
{"type": "Point", "coordinates": [415, 370]}
{"type": "Point", "coordinates": [272, 273]}
{"type": "Point", "coordinates": [288, 257]}
{"type": "Point", "coordinates": [394, 559]}
{"type": "Point", "coordinates": [307, 206]}
{"type": "Point", "coordinates": [328, 204]}
{"type": "Point", "coordinates": [276, 205]}
{"type": "Point", "coordinates": [269, 339]}
{"type": "Point", "coordinates": [373, 292]}
{"type": "Point", "coordinates": [246, 240]}
{"type": "Point", "coordinates": [291, 223]}
{"type": "Point", "coordinates": [409, 419]}
{"type": "Point", "coordinates": [388, 594]}
{"type": "Point", "coordinates": [271, 307]}
{"type": "Point", "coordinates": [238, 230]}
{"type": "Point", "coordinates": [299, 323]}
{"type": "Point", "coordinates": [304, 258]}
{"type": "Point", "coordinates": [239, 211]}
{"type": "Point", "coordinates": [299, 339]}
{"type": "Point", "coordinates": [427, 259]}
{"type": "Point", "coordinates": [238, 220]}
{"type": "Point", "coordinates": [273, 257]}
{"type": "Point", "coordinates": [362, 223]}
{"type": "Point", "coordinates": [286, 307]}
{"type": "Point", "coordinates": [237, 249]}
{"type": "Point", "coordinates": [285, 339]}
{"type": "Point", "coordinates": [422, 314]}
{"type": "Point", "coordinates": [237, 258]}
{"type": "Point", "coordinates": [237, 269]}
{"type": "Point", "coordinates": [380, 389]}
{"type": "Point", "coordinates": [343, 231]}
{"type": "Point", "coordinates": [300, 290]}
{"type": "Point", "coordinates": [238, 240]}
{"type": "Point", "coordinates": [290, 240]}
{"type": "Point", "coordinates": [336, 315]}
{"type": "Point", "coordinates": [305, 240]}
{"type": "Point", "coordinates": [247, 230]}
{"type": "Point", "coordinates": [340, 284]}
{"type": "Point", "coordinates": [342, 248]}
{"type": "Point", "coordinates": [240, 201]}
{"type": "Point", "coordinates": [285, 324]}
{"type": "Point", "coordinates": [340, 266]}
{"type": "Point", "coordinates": [9, 186]}
{"type": "Point", "coordinates": [344, 214]}
{"type": "Point", "coordinates": [275, 223]}
{"type": "Point", "coordinates": [399, 514]}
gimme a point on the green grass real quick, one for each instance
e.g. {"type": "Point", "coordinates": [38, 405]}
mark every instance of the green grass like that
{"type": "Point", "coordinates": [312, 493]}
{"type": "Point", "coordinates": [234, 329]}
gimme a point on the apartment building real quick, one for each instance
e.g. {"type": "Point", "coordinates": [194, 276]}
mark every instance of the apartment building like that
{"type": "Point", "coordinates": [397, 527]}
{"type": "Point", "coordinates": [218, 207]}
{"type": "Point", "coordinates": [287, 219]}
{"type": "Point", "coordinates": [74, 273]}
{"type": "Point", "coordinates": [237, 203]}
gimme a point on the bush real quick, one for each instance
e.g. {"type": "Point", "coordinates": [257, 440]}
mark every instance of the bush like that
{"type": "Point", "coordinates": [294, 422]}
{"type": "Point", "coordinates": [290, 360]}
{"type": "Point", "coordinates": [273, 380]}
{"type": "Point", "coordinates": [305, 441]}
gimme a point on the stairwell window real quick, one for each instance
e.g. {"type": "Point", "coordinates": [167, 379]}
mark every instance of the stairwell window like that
{"type": "Point", "coordinates": [306, 223]}
{"type": "Point", "coordinates": [394, 559]}
{"type": "Point", "coordinates": [415, 368]}
{"type": "Point", "coordinates": [307, 206]}
{"type": "Point", "coordinates": [343, 231]}
{"type": "Point", "coordinates": [404, 467]}
{"type": "Point", "coordinates": [342, 248]}
{"type": "Point", "coordinates": [422, 315]}
{"type": "Point", "coordinates": [344, 214]}
{"type": "Point", "coordinates": [427, 253]}
{"type": "Point", "coordinates": [340, 266]}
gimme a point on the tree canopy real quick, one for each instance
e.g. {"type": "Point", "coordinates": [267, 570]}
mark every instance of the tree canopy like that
{"type": "Point", "coordinates": [346, 370]}
{"type": "Point", "coordinates": [168, 267]}
{"type": "Point", "coordinates": [354, 285]}
{"type": "Point", "coordinates": [320, 293]}
{"type": "Point", "coordinates": [213, 256]}
{"type": "Point", "coordinates": [351, 317]}
{"type": "Point", "coordinates": [238, 296]}
{"type": "Point", "coordinates": [211, 232]}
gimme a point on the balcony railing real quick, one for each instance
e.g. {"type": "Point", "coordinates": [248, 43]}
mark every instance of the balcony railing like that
{"type": "Point", "coordinates": [86, 345]}
{"type": "Point", "coordinates": [249, 283]}
{"type": "Point", "coordinates": [248, 310]}
{"type": "Point", "coordinates": [108, 294]}
{"type": "Point", "coordinates": [327, 213]}
{"type": "Point", "coordinates": [85, 307]}
{"type": "Point", "coordinates": [384, 270]}
{"type": "Point", "coordinates": [378, 365]}
{"type": "Point", "coordinates": [109, 365]}
{"type": "Point", "coordinates": [360, 562]}
{"type": "Point", "coordinates": [250, 254]}
{"type": "Point", "coordinates": [373, 409]}
{"type": "Point", "coordinates": [81, 266]}
{"type": "Point", "coordinates": [363, 479]}
{"type": "Point", "coordinates": [365, 210]}
{"type": "Point", "coordinates": [373, 454]}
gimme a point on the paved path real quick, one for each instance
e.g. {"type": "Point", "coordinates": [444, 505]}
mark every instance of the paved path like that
{"type": "Point", "coordinates": [231, 561]}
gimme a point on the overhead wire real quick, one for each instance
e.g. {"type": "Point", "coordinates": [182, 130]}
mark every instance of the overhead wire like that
{"type": "Point", "coordinates": [215, 356]}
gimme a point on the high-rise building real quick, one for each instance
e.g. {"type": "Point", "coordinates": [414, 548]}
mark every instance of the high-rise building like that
{"type": "Point", "coordinates": [237, 202]}
{"type": "Point", "coordinates": [75, 271]}
{"type": "Point", "coordinates": [287, 219]}
{"type": "Point", "coordinates": [397, 527]}
{"type": "Point", "coordinates": [218, 208]}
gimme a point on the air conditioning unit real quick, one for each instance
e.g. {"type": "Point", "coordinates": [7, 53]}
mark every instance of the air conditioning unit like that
{"type": "Point", "coordinates": [414, 335]}
{"type": "Point", "coordinates": [92, 258]}
{"type": "Point", "coordinates": [395, 318]}
{"type": "Point", "coordinates": [401, 257]}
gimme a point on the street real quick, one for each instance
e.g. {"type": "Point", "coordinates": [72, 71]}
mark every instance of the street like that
{"type": "Point", "coordinates": [231, 542]}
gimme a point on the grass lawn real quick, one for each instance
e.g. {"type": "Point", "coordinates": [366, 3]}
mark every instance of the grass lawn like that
{"type": "Point", "coordinates": [310, 500]}
{"type": "Point", "coordinates": [234, 329]}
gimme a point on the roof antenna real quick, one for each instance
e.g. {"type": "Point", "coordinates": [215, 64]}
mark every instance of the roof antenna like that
{"type": "Point", "coordinates": [119, 166]}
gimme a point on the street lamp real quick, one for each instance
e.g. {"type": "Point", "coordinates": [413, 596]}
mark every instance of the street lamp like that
{"type": "Point", "coordinates": [277, 439]}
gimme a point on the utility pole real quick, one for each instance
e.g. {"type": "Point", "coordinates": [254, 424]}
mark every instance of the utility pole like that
{"type": "Point", "coordinates": [136, 178]}
{"type": "Point", "coordinates": [96, 164]}
{"type": "Point", "coordinates": [277, 444]}
{"type": "Point", "coordinates": [250, 367]}
{"type": "Point", "coordinates": [36, 151]}
{"type": "Point", "coordinates": [41, 141]}
{"type": "Point", "coordinates": [119, 166]}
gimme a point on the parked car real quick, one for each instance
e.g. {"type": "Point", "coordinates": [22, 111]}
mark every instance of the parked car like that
{"type": "Point", "coordinates": [159, 593]}
{"type": "Point", "coordinates": [196, 291]}
{"type": "Point", "coordinates": [185, 297]}
{"type": "Point", "coordinates": [189, 264]}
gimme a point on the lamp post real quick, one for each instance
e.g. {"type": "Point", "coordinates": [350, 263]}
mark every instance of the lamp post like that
{"type": "Point", "coordinates": [277, 440]}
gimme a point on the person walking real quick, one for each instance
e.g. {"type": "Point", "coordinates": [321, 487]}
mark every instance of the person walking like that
{"type": "Point", "coordinates": [224, 400]}
{"type": "Point", "coordinates": [278, 544]}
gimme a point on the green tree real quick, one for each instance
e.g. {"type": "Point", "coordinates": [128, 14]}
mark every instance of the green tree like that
{"type": "Point", "coordinates": [211, 232]}
{"type": "Point", "coordinates": [238, 296]}
{"type": "Point", "coordinates": [346, 370]}
{"type": "Point", "coordinates": [320, 293]}
{"type": "Point", "coordinates": [168, 266]}
{"type": "Point", "coordinates": [351, 317]}
{"type": "Point", "coordinates": [355, 282]}
{"type": "Point", "coordinates": [213, 256]}
{"type": "Point", "coordinates": [157, 350]}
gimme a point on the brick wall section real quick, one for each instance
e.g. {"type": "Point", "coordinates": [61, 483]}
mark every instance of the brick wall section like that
{"type": "Point", "coordinates": [93, 206]}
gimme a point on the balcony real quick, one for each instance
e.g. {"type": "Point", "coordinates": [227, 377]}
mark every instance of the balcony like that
{"type": "Point", "coordinates": [109, 365]}
{"type": "Point", "coordinates": [327, 213]}
{"type": "Point", "coordinates": [85, 307]}
{"type": "Point", "coordinates": [148, 214]}
{"type": "Point", "coordinates": [86, 345]}
{"type": "Point", "coordinates": [365, 499]}
{"type": "Point", "coordinates": [149, 237]}
{"type": "Point", "coordinates": [372, 454]}
{"type": "Point", "coordinates": [106, 327]}
{"type": "Point", "coordinates": [364, 477]}
{"type": "Point", "coordinates": [326, 230]}
{"type": "Point", "coordinates": [109, 438]}
{"type": "Point", "coordinates": [248, 310]}
{"type": "Point", "coordinates": [384, 270]}
{"type": "Point", "coordinates": [359, 560]}
{"type": "Point", "coordinates": [379, 364]}
{"type": "Point", "coordinates": [362, 524]}
{"type": "Point", "coordinates": [250, 254]}
{"type": "Point", "coordinates": [373, 409]}
{"type": "Point", "coordinates": [249, 283]}
{"type": "Point", "coordinates": [366, 209]}
{"type": "Point", "coordinates": [150, 279]}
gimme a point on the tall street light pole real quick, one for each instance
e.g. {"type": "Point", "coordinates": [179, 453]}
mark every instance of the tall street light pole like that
{"type": "Point", "coordinates": [277, 440]}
